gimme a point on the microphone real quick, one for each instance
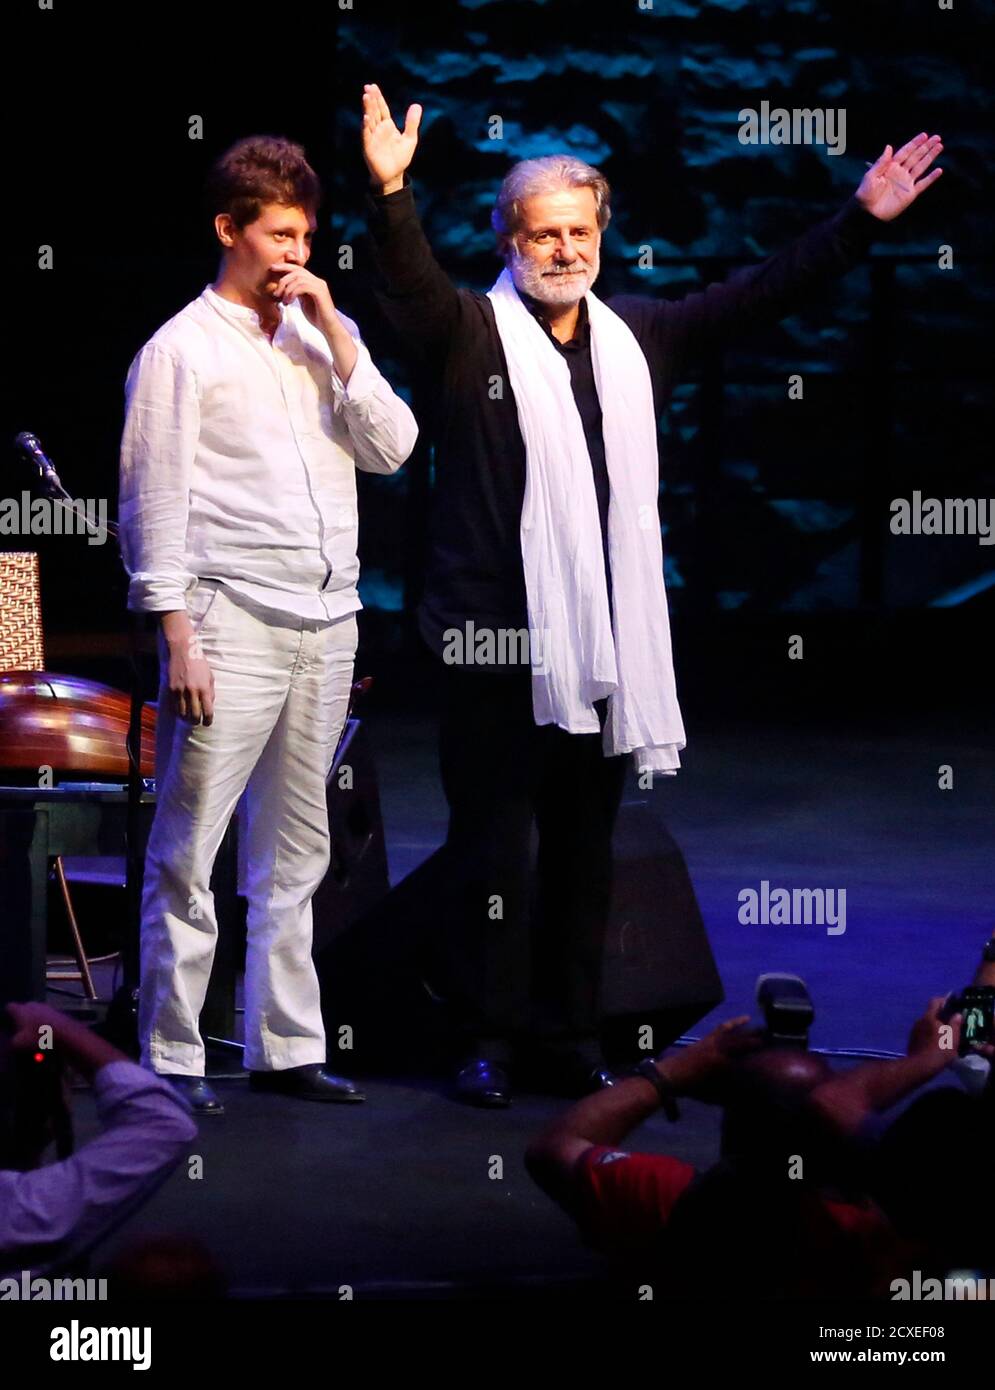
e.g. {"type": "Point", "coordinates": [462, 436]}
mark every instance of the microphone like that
{"type": "Point", "coordinates": [29, 444]}
{"type": "Point", "coordinates": [51, 483]}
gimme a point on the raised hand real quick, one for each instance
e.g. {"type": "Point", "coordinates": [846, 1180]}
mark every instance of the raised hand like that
{"type": "Point", "coordinates": [926, 1041]}
{"type": "Point", "coordinates": [387, 150]}
{"type": "Point", "coordinates": [297, 283]}
{"type": "Point", "coordinates": [896, 179]}
{"type": "Point", "coordinates": [700, 1069]}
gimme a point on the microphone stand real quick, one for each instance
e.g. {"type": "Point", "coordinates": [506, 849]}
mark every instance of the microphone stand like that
{"type": "Point", "coordinates": [124, 1005]}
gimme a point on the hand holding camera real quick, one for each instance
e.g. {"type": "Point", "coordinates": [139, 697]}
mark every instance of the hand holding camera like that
{"type": "Point", "coordinates": [974, 1007]}
{"type": "Point", "coordinates": [44, 1031]}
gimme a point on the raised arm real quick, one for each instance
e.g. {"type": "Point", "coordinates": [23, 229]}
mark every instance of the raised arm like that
{"type": "Point", "coordinates": [381, 425]}
{"type": "Point", "coordinates": [846, 1101]}
{"type": "Point", "coordinates": [417, 297]}
{"type": "Point", "coordinates": [607, 1117]}
{"type": "Point", "coordinates": [778, 286]}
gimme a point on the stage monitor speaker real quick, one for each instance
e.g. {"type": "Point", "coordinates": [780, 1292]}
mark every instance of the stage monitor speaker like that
{"type": "Point", "coordinates": [357, 878]}
{"type": "Point", "coordinates": [658, 972]}
{"type": "Point", "coordinates": [373, 996]}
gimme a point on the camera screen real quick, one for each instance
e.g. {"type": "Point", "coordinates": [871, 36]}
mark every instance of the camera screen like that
{"type": "Point", "coordinates": [978, 1009]}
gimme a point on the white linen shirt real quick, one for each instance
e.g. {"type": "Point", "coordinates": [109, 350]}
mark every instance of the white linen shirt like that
{"type": "Point", "coordinates": [238, 460]}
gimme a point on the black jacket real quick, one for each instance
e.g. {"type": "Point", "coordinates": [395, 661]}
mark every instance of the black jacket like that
{"type": "Point", "coordinates": [475, 568]}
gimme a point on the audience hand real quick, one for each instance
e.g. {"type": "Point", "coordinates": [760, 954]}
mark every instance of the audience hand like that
{"type": "Point", "coordinates": [698, 1070]}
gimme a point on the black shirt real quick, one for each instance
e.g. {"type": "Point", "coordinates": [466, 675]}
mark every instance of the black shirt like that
{"type": "Point", "coordinates": [475, 572]}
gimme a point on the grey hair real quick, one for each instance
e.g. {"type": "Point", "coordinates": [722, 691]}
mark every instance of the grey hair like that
{"type": "Point", "coordinates": [549, 174]}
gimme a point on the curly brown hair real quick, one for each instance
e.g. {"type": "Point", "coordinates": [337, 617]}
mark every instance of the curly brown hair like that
{"type": "Point", "coordinates": [257, 170]}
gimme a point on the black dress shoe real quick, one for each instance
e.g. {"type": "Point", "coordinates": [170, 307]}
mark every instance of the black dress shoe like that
{"type": "Point", "coordinates": [307, 1083]}
{"type": "Point", "coordinates": [482, 1082]}
{"type": "Point", "coordinates": [570, 1073]}
{"type": "Point", "coordinates": [202, 1099]}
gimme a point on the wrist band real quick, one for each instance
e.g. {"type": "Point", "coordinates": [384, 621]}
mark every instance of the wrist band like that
{"type": "Point", "coordinates": [668, 1100]}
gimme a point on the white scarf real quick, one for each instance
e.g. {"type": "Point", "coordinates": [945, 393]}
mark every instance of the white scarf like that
{"type": "Point", "coordinates": [562, 546]}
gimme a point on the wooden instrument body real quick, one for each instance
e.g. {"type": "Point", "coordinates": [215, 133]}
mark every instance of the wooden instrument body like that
{"type": "Point", "coordinates": [69, 724]}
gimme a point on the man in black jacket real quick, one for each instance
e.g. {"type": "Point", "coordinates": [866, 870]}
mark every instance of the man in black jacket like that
{"type": "Point", "coordinates": [519, 746]}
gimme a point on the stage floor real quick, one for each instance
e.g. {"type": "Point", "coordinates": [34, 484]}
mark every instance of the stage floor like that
{"type": "Point", "coordinates": [394, 1197]}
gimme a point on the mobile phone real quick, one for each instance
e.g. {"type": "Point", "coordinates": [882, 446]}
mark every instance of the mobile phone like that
{"type": "Point", "coordinates": [977, 1006]}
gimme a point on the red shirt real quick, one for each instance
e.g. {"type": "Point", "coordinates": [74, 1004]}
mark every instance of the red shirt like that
{"type": "Point", "coordinates": [626, 1201]}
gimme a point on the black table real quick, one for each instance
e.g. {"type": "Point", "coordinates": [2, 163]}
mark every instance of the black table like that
{"type": "Point", "coordinates": [84, 819]}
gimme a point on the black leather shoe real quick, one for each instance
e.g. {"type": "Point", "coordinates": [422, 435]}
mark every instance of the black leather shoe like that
{"type": "Point", "coordinates": [307, 1083]}
{"type": "Point", "coordinates": [482, 1082]}
{"type": "Point", "coordinates": [575, 1077]}
{"type": "Point", "coordinates": [202, 1099]}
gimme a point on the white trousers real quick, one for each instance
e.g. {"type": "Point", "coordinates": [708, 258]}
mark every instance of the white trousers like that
{"type": "Point", "coordinates": [281, 694]}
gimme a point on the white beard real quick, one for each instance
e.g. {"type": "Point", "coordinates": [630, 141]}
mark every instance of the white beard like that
{"type": "Point", "coordinates": [552, 288]}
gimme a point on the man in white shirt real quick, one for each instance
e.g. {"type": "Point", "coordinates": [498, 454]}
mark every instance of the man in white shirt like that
{"type": "Point", "coordinates": [247, 416]}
